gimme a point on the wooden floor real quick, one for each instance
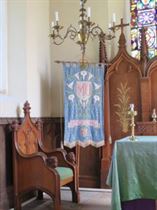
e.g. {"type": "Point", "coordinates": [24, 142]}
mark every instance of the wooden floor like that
{"type": "Point", "coordinates": [90, 200]}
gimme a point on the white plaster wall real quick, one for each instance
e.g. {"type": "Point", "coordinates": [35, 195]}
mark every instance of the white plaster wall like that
{"type": "Point", "coordinates": [31, 76]}
{"type": "Point", "coordinates": [16, 58]}
{"type": "Point", "coordinates": [38, 57]}
{"type": "Point", "coordinates": [28, 58]}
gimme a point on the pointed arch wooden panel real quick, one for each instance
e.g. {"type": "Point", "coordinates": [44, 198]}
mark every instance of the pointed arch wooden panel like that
{"type": "Point", "coordinates": [122, 87]}
{"type": "Point", "coordinates": [123, 79]}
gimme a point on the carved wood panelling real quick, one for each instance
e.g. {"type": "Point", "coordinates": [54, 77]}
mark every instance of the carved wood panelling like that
{"type": "Point", "coordinates": [53, 132]}
{"type": "Point", "coordinates": [3, 188]}
{"type": "Point", "coordinates": [146, 128]}
{"type": "Point", "coordinates": [124, 88]}
{"type": "Point", "coordinates": [128, 80]}
{"type": "Point", "coordinates": [90, 166]}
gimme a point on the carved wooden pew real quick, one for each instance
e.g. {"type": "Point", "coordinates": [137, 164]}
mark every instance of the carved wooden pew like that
{"type": "Point", "coordinates": [36, 168]}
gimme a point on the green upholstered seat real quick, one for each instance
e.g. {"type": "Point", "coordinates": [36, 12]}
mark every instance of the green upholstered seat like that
{"type": "Point", "coordinates": [64, 172]}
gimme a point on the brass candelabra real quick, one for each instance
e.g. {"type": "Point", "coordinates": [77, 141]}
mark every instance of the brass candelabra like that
{"type": "Point", "coordinates": [86, 29]}
{"type": "Point", "coordinates": [132, 113]}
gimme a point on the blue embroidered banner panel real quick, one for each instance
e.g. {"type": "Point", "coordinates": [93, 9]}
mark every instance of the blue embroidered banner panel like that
{"type": "Point", "coordinates": [83, 105]}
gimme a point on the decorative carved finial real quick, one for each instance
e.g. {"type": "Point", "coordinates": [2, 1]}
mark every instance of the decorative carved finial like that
{"type": "Point", "coordinates": [144, 50]}
{"type": "Point", "coordinates": [114, 28]}
{"type": "Point", "coordinates": [102, 49]}
{"type": "Point", "coordinates": [121, 26]}
{"type": "Point", "coordinates": [26, 108]}
{"type": "Point", "coordinates": [122, 41]}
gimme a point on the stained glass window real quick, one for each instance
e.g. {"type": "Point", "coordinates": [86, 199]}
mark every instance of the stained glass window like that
{"type": "Point", "coordinates": [143, 14]}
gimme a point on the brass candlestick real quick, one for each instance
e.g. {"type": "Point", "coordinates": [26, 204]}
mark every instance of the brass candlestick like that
{"type": "Point", "coordinates": [132, 113]}
{"type": "Point", "coordinates": [154, 116]}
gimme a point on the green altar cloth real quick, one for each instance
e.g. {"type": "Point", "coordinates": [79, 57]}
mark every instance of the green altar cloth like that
{"type": "Point", "coordinates": [133, 170]}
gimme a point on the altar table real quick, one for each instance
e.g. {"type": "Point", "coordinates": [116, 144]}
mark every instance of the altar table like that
{"type": "Point", "coordinates": [133, 171]}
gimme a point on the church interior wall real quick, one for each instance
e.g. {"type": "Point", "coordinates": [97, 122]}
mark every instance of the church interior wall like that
{"type": "Point", "coordinates": [32, 73]}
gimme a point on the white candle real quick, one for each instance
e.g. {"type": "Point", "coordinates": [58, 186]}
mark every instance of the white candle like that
{"type": "Point", "coordinates": [114, 17]}
{"type": "Point", "coordinates": [52, 24]}
{"type": "Point", "coordinates": [88, 12]}
{"type": "Point", "coordinates": [56, 16]}
{"type": "Point", "coordinates": [109, 25]}
{"type": "Point", "coordinates": [132, 107]}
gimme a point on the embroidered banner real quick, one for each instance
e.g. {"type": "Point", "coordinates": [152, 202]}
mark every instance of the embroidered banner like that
{"type": "Point", "coordinates": [83, 105]}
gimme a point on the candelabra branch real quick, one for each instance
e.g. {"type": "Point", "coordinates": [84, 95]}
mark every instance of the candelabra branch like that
{"type": "Point", "coordinates": [103, 37]}
{"type": "Point", "coordinates": [96, 31]}
{"type": "Point", "coordinates": [71, 32]}
{"type": "Point", "coordinates": [57, 38]}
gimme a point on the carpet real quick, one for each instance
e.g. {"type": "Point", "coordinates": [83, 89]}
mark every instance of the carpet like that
{"type": "Point", "coordinates": [89, 200]}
